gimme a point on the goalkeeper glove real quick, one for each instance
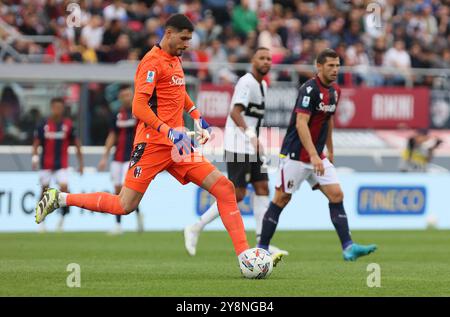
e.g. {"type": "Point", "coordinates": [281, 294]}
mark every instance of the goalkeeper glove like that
{"type": "Point", "coordinates": [203, 130]}
{"type": "Point", "coordinates": [181, 141]}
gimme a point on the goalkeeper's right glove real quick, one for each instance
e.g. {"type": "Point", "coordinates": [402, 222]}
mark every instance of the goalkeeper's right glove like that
{"type": "Point", "coordinates": [181, 141]}
{"type": "Point", "coordinates": [184, 144]}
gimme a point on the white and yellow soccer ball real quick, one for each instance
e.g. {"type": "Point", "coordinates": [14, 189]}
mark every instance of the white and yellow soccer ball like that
{"type": "Point", "coordinates": [256, 263]}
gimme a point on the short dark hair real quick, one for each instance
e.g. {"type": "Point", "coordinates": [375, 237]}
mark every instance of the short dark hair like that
{"type": "Point", "coordinates": [179, 22]}
{"type": "Point", "coordinates": [328, 52]}
{"type": "Point", "coordinates": [259, 48]}
{"type": "Point", "coordinates": [57, 100]}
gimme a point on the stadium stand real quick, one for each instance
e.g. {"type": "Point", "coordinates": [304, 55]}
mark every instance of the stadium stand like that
{"type": "Point", "coordinates": [393, 44]}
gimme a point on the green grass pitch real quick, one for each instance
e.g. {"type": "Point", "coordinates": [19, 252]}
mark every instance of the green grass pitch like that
{"type": "Point", "coordinates": [413, 263]}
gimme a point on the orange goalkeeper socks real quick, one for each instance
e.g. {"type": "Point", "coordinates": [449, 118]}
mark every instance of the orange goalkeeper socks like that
{"type": "Point", "coordinates": [229, 212]}
{"type": "Point", "coordinates": [100, 202]}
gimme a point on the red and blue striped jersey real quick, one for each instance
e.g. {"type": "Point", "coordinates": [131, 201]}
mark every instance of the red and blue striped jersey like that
{"type": "Point", "coordinates": [124, 125]}
{"type": "Point", "coordinates": [55, 138]}
{"type": "Point", "coordinates": [320, 102]}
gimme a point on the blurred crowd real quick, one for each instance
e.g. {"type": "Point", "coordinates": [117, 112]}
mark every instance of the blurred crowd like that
{"type": "Point", "coordinates": [395, 33]}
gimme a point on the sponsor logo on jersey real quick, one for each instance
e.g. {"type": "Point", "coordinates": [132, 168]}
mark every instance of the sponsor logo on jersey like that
{"type": "Point", "coordinates": [150, 76]}
{"type": "Point", "coordinates": [326, 108]}
{"type": "Point", "coordinates": [137, 154]}
{"type": "Point", "coordinates": [56, 135]}
{"type": "Point", "coordinates": [254, 110]}
{"type": "Point", "coordinates": [137, 171]}
{"type": "Point", "coordinates": [308, 89]}
{"type": "Point", "coordinates": [177, 81]}
{"type": "Point", "coordinates": [305, 101]}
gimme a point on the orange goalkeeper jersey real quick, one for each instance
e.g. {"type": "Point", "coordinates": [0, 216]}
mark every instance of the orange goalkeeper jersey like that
{"type": "Point", "coordinates": [159, 91]}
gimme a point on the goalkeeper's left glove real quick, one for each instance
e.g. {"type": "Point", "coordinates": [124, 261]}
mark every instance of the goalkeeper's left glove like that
{"type": "Point", "coordinates": [203, 130]}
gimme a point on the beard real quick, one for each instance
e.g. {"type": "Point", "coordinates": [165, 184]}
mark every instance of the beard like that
{"type": "Point", "coordinates": [263, 72]}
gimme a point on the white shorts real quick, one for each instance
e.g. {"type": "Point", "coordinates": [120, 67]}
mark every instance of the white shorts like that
{"type": "Point", "coordinates": [60, 176]}
{"type": "Point", "coordinates": [118, 172]}
{"type": "Point", "coordinates": [292, 173]}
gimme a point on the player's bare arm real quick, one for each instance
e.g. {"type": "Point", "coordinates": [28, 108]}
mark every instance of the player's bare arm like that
{"type": "Point", "coordinates": [109, 143]}
{"type": "Point", "coordinates": [329, 142]}
{"type": "Point", "coordinates": [305, 137]}
{"type": "Point", "coordinates": [35, 155]}
{"type": "Point", "coordinates": [79, 156]}
{"type": "Point", "coordinates": [236, 116]}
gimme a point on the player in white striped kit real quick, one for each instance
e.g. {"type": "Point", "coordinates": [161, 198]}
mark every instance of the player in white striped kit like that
{"type": "Point", "coordinates": [243, 151]}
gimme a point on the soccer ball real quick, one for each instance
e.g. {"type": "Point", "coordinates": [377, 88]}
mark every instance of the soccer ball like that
{"type": "Point", "coordinates": [432, 222]}
{"type": "Point", "coordinates": [256, 263]}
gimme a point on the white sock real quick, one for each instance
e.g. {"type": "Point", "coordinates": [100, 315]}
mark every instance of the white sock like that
{"type": "Point", "coordinates": [241, 205]}
{"type": "Point", "coordinates": [62, 199]}
{"type": "Point", "coordinates": [260, 205]}
{"type": "Point", "coordinates": [209, 215]}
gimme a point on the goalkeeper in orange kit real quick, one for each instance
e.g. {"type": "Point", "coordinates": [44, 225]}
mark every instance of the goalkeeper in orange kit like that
{"type": "Point", "coordinates": [160, 143]}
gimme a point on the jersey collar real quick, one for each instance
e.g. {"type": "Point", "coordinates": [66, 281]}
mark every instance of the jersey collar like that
{"type": "Point", "coordinates": [321, 83]}
{"type": "Point", "coordinates": [164, 53]}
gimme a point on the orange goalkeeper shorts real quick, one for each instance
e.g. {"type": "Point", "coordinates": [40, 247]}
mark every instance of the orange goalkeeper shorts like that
{"type": "Point", "coordinates": [148, 160]}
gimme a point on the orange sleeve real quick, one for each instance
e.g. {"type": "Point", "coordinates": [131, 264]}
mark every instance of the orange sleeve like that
{"type": "Point", "coordinates": [190, 108]}
{"type": "Point", "coordinates": [145, 82]}
{"type": "Point", "coordinates": [146, 76]}
{"type": "Point", "coordinates": [142, 111]}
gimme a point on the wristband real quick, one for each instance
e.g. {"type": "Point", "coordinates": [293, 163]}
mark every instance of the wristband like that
{"type": "Point", "coordinates": [194, 113]}
{"type": "Point", "coordinates": [163, 128]}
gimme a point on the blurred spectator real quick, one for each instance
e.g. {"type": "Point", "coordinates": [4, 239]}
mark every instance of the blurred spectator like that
{"type": "Point", "coordinates": [115, 11]}
{"type": "Point", "coordinates": [282, 24]}
{"type": "Point", "coordinates": [120, 49]}
{"type": "Point", "coordinates": [219, 9]}
{"type": "Point", "coordinates": [334, 31]}
{"type": "Point", "coordinates": [112, 32]}
{"type": "Point", "coordinates": [410, 34]}
{"type": "Point", "coordinates": [28, 123]}
{"type": "Point", "coordinates": [423, 24]}
{"type": "Point", "coordinates": [28, 27]}
{"type": "Point", "coordinates": [398, 57]}
{"type": "Point", "coordinates": [244, 20]}
{"type": "Point", "coordinates": [444, 60]}
{"type": "Point", "coordinates": [272, 40]}
{"type": "Point", "coordinates": [219, 72]}
{"type": "Point", "coordinates": [96, 7]}
{"type": "Point", "coordinates": [194, 11]}
{"type": "Point", "coordinates": [92, 34]}
{"type": "Point", "coordinates": [9, 115]}
{"type": "Point", "coordinates": [357, 57]}
{"type": "Point", "coordinates": [234, 50]}
{"type": "Point", "coordinates": [353, 34]}
{"type": "Point", "coordinates": [208, 29]}
{"type": "Point", "coordinates": [88, 54]}
{"type": "Point", "coordinates": [294, 39]}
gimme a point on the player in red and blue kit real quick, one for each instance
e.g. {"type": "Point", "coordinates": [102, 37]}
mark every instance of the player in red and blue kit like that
{"type": "Point", "coordinates": [302, 157]}
{"type": "Point", "coordinates": [121, 135]}
{"type": "Point", "coordinates": [54, 136]}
